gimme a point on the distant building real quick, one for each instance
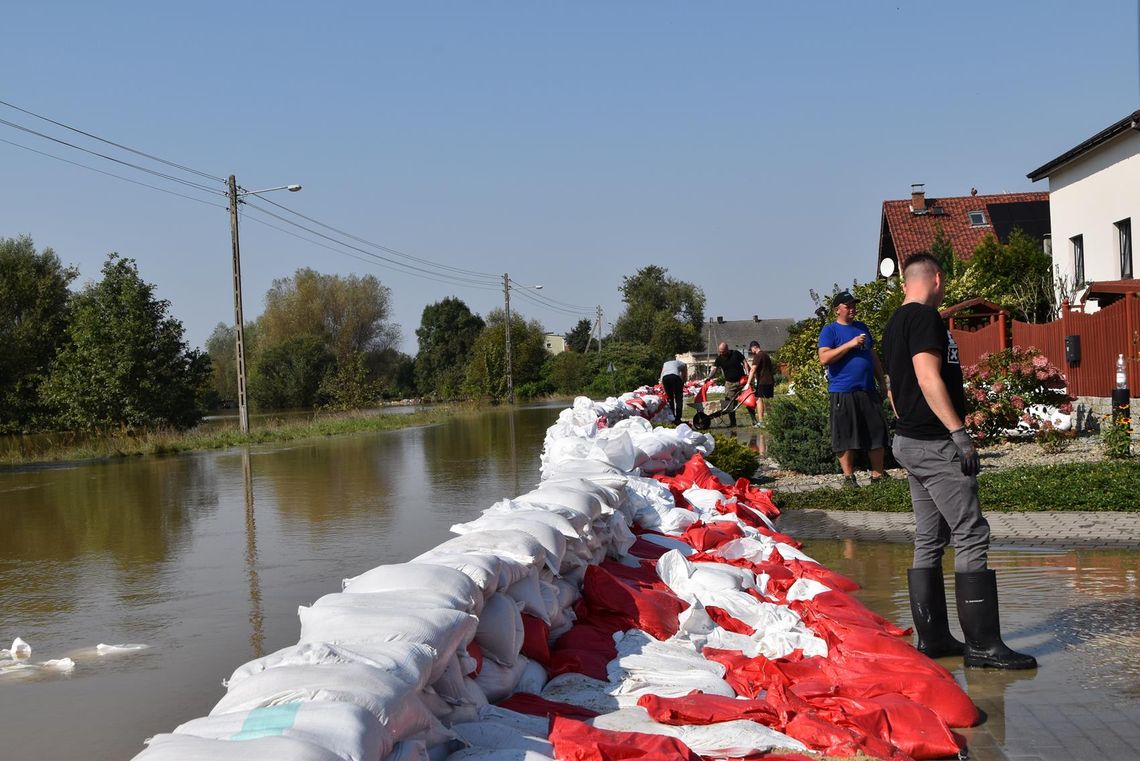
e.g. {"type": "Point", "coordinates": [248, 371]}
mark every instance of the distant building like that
{"type": "Point", "coordinates": [1094, 194]}
{"type": "Point", "coordinates": [909, 226]}
{"type": "Point", "coordinates": [770, 334]}
{"type": "Point", "coordinates": [555, 343]}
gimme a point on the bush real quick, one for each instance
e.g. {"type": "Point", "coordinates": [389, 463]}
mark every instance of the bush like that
{"type": "Point", "coordinates": [734, 458]}
{"type": "Point", "coordinates": [798, 432]}
{"type": "Point", "coordinates": [1116, 435]}
{"type": "Point", "coordinates": [1004, 385]}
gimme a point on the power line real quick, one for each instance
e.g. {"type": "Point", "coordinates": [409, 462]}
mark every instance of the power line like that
{"type": "Point", "coordinates": [172, 178]}
{"type": "Point", "coordinates": [112, 174]}
{"type": "Point", "coordinates": [531, 297]}
{"type": "Point", "coordinates": [545, 298]}
{"type": "Point", "coordinates": [111, 142]}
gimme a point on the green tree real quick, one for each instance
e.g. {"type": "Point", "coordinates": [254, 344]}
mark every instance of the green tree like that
{"type": "Point", "coordinates": [33, 324]}
{"type": "Point", "coordinates": [634, 364]}
{"type": "Point", "coordinates": [289, 375]}
{"type": "Point", "coordinates": [1018, 275]}
{"type": "Point", "coordinates": [578, 339]}
{"type": "Point", "coordinates": [942, 250]}
{"type": "Point", "coordinates": [571, 372]}
{"type": "Point", "coordinates": [350, 386]}
{"type": "Point", "coordinates": [223, 362]}
{"type": "Point", "coordinates": [660, 312]}
{"type": "Point", "coordinates": [394, 371]}
{"type": "Point", "coordinates": [348, 313]}
{"type": "Point", "coordinates": [446, 336]}
{"type": "Point", "coordinates": [126, 364]}
{"type": "Point", "coordinates": [486, 373]}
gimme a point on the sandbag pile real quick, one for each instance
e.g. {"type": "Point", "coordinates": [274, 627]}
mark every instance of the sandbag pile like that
{"type": "Point", "coordinates": [637, 603]}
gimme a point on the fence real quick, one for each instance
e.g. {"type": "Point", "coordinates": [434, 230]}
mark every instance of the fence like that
{"type": "Point", "coordinates": [1102, 335]}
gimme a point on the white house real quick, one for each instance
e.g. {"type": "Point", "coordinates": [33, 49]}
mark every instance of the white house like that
{"type": "Point", "coordinates": [1094, 196]}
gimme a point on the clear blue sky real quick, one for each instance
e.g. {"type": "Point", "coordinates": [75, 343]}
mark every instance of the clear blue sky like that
{"type": "Point", "coordinates": [744, 146]}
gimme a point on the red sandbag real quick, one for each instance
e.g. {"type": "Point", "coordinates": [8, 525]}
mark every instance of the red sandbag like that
{"type": "Point", "coordinates": [844, 609]}
{"type": "Point", "coordinates": [536, 639]}
{"type": "Point", "coordinates": [725, 620]}
{"type": "Point", "coordinates": [826, 576]}
{"type": "Point", "coordinates": [575, 741]}
{"type": "Point", "coordinates": [708, 536]}
{"type": "Point", "coordinates": [638, 605]}
{"type": "Point", "coordinates": [647, 550]}
{"type": "Point", "coordinates": [535, 705]}
{"type": "Point", "coordinates": [756, 498]}
{"type": "Point", "coordinates": [585, 649]}
{"type": "Point", "coordinates": [700, 708]}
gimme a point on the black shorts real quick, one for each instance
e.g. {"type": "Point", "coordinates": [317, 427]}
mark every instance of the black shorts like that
{"type": "Point", "coordinates": [857, 421]}
{"type": "Point", "coordinates": [764, 390]}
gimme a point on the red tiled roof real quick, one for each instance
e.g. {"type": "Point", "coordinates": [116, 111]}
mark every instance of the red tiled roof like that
{"type": "Point", "coordinates": [911, 233]}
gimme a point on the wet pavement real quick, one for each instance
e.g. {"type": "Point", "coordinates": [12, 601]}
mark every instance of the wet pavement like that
{"type": "Point", "coordinates": [1069, 585]}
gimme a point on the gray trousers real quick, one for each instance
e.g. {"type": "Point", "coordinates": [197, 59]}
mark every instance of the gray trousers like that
{"type": "Point", "coordinates": [946, 506]}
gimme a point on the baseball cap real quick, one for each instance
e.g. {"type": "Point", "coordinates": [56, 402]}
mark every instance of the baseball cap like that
{"type": "Point", "coordinates": [843, 297]}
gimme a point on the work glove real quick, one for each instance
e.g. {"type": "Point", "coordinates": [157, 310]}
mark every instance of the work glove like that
{"type": "Point", "coordinates": [966, 450]}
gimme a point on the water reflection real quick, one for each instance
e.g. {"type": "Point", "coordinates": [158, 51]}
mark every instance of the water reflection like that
{"type": "Point", "coordinates": [256, 618]}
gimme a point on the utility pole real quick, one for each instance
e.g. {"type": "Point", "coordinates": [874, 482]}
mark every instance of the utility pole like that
{"type": "Point", "coordinates": [598, 328]}
{"type": "Point", "coordinates": [239, 321]}
{"type": "Point", "coordinates": [507, 303]}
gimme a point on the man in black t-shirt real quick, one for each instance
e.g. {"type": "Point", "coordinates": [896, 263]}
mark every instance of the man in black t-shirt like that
{"type": "Point", "coordinates": [938, 452]}
{"type": "Point", "coordinates": [731, 363]}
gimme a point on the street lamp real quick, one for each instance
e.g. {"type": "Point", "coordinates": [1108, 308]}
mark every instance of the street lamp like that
{"type": "Point", "coordinates": [239, 321]}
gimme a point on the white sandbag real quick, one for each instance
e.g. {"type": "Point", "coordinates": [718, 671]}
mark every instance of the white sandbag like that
{"type": "Point", "coordinates": [393, 702]}
{"type": "Point", "coordinates": [401, 577]}
{"type": "Point", "coordinates": [729, 739]}
{"type": "Point", "coordinates": [565, 496]}
{"type": "Point", "coordinates": [523, 723]}
{"type": "Point", "coordinates": [568, 593]}
{"type": "Point", "coordinates": [615, 449]}
{"type": "Point", "coordinates": [348, 730]}
{"type": "Point", "coordinates": [518, 546]}
{"type": "Point", "coordinates": [705, 501]}
{"type": "Point", "coordinates": [533, 679]}
{"type": "Point", "coordinates": [411, 662]}
{"type": "Point", "coordinates": [445, 631]}
{"type": "Point", "coordinates": [176, 747]}
{"type": "Point", "coordinates": [549, 537]}
{"type": "Point", "coordinates": [645, 666]}
{"type": "Point", "coordinates": [497, 681]}
{"type": "Point", "coordinates": [805, 589]}
{"type": "Point", "coordinates": [407, 599]}
{"type": "Point", "coordinates": [581, 690]}
{"type": "Point", "coordinates": [621, 538]}
{"type": "Point", "coordinates": [482, 568]}
{"type": "Point", "coordinates": [528, 592]}
{"type": "Point", "coordinates": [676, 520]}
{"type": "Point", "coordinates": [550, 518]}
{"type": "Point", "coordinates": [489, 735]}
{"type": "Point", "coordinates": [670, 543]}
{"type": "Point", "coordinates": [607, 488]}
{"type": "Point", "coordinates": [692, 581]}
{"type": "Point", "coordinates": [456, 688]}
{"type": "Point", "coordinates": [500, 630]}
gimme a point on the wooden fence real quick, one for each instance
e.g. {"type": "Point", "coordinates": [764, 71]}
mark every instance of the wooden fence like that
{"type": "Point", "coordinates": [1103, 335]}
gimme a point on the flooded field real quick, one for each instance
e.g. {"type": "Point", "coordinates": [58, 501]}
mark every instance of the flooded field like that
{"type": "Point", "coordinates": [205, 557]}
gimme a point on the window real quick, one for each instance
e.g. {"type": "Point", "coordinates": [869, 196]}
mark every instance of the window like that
{"type": "Point", "coordinates": [977, 218]}
{"type": "Point", "coordinates": [1124, 235]}
{"type": "Point", "coordinates": [1078, 242]}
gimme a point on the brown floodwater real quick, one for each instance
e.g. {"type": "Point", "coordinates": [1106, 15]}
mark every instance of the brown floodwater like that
{"type": "Point", "coordinates": [204, 558]}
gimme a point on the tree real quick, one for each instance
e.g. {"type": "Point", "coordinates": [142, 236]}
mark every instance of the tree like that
{"type": "Point", "coordinates": [578, 339]}
{"type": "Point", "coordinates": [487, 371]}
{"type": "Point", "coordinates": [33, 324]}
{"type": "Point", "coordinates": [1018, 275]}
{"type": "Point", "coordinates": [446, 336]}
{"type": "Point", "coordinates": [394, 371]}
{"type": "Point", "coordinates": [571, 372]}
{"type": "Point", "coordinates": [349, 313]}
{"type": "Point", "coordinates": [223, 362]}
{"type": "Point", "coordinates": [661, 312]}
{"type": "Point", "coordinates": [126, 364]}
{"type": "Point", "coordinates": [289, 375]}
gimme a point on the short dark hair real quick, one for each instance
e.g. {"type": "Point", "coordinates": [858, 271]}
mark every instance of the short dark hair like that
{"type": "Point", "coordinates": [754, 343]}
{"type": "Point", "coordinates": [920, 257]}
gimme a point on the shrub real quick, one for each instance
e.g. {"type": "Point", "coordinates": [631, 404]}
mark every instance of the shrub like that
{"type": "Point", "coordinates": [1051, 439]}
{"type": "Point", "coordinates": [1116, 435]}
{"type": "Point", "coordinates": [734, 458]}
{"type": "Point", "coordinates": [1004, 385]}
{"type": "Point", "coordinates": [798, 433]}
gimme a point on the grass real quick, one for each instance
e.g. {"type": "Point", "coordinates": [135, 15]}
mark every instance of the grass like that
{"type": "Point", "coordinates": [1099, 486]}
{"type": "Point", "coordinates": [66, 447]}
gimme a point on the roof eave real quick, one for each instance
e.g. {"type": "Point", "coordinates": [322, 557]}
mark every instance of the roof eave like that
{"type": "Point", "coordinates": [1130, 122]}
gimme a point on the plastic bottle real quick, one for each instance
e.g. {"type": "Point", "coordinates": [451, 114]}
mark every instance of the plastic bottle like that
{"type": "Point", "coordinates": [1121, 377]}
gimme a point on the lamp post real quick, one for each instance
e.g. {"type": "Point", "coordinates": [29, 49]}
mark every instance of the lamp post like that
{"type": "Point", "coordinates": [239, 321]}
{"type": "Point", "coordinates": [507, 309]}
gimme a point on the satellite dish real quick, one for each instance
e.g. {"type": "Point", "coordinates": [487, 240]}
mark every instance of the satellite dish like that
{"type": "Point", "coordinates": [887, 267]}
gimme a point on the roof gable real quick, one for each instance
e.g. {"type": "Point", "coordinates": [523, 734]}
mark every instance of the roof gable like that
{"type": "Point", "coordinates": [770, 334]}
{"type": "Point", "coordinates": [905, 233]}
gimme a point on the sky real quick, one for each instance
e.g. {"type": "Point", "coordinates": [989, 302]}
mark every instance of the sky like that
{"type": "Point", "coordinates": [747, 147]}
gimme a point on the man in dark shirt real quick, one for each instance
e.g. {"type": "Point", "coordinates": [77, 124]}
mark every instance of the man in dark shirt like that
{"type": "Point", "coordinates": [932, 443]}
{"type": "Point", "coordinates": [731, 363]}
{"type": "Point", "coordinates": [761, 378]}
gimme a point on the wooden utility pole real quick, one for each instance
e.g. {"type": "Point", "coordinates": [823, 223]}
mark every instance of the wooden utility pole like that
{"type": "Point", "coordinates": [507, 303]}
{"type": "Point", "coordinates": [239, 321]}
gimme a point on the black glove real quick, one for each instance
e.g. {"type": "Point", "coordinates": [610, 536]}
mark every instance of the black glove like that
{"type": "Point", "coordinates": [966, 451]}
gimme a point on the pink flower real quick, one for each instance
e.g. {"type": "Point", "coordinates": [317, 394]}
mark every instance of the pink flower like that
{"type": "Point", "coordinates": [985, 373]}
{"type": "Point", "coordinates": [999, 387]}
{"type": "Point", "coordinates": [1017, 402]}
{"type": "Point", "coordinates": [979, 395]}
{"type": "Point", "coordinates": [995, 408]}
{"type": "Point", "coordinates": [1042, 375]}
{"type": "Point", "coordinates": [1040, 361]}
{"type": "Point", "coordinates": [1066, 407]}
{"type": "Point", "coordinates": [981, 435]}
{"type": "Point", "coordinates": [1015, 367]}
{"type": "Point", "coordinates": [979, 417]}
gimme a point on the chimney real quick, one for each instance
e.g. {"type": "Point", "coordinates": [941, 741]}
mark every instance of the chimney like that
{"type": "Point", "coordinates": [918, 198]}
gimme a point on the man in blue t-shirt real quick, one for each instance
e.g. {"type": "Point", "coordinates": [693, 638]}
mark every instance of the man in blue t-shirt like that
{"type": "Point", "coordinates": [854, 377]}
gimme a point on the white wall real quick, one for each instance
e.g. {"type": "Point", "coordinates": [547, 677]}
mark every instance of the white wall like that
{"type": "Point", "coordinates": [1087, 197]}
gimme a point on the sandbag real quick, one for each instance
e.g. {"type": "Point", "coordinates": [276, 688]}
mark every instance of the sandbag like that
{"type": "Point", "coordinates": [176, 747]}
{"type": "Point", "coordinates": [518, 546]}
{"type": "Point", "coordinates": [411, 662]}
{"type": "Point", "coordinates": [401, 577]}
{"type": "Point", "coordinates": [549, 537]}
{"type": "Point", "coordinates": [500, 632]}
{"type": "Point", "coordinates": [348, 730]}
{"type": "Point", "coordinates": [405, 599]}
{"type": "Point", "coordinates": [484, 569]}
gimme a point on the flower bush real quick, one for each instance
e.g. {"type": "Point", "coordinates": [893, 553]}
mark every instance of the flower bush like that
{"type": "Point", "coordinates": [1116, 435]}
{"type": "Point", "coordinates": [1004, 385]}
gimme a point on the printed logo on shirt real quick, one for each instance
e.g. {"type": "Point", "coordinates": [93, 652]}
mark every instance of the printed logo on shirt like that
{"type": "Point", "coordinates": [951, 349]}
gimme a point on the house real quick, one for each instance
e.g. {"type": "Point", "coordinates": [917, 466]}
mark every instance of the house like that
{"type": "Point", "coordinates": [769, 333]}
{"type": "Point", "coordinates": [1094, 194]}
{"type": "Point", "coordinates": [910, 225]}
{"type": "Point", "coordinates": [555, 343]}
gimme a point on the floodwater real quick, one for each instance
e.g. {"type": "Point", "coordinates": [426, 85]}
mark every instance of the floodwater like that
{"type": "Point", "coordinates": [205, 557]}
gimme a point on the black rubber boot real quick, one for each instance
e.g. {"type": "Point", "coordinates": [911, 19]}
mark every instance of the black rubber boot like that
{"type": "Point", "coordinates": [928, 609]}
{"type": "Point", "coordinates": [977, 598]}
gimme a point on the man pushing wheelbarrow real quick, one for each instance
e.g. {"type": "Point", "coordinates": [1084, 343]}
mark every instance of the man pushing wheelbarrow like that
{"type": "Point", "coordinates": [730, 362]}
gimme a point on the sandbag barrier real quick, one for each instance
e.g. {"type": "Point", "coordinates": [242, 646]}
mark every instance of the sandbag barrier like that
{"type": "Point", "coordinates": [637, 603]}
